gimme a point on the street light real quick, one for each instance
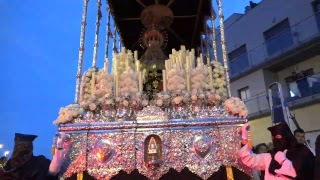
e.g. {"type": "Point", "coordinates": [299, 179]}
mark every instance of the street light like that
{"type": "Point", "coordinates": [1, 145]}
{"type": "Point", "coordinates": [6, 153]}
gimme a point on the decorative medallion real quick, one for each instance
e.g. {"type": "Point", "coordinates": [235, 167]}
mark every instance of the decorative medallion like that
{"type": "Point", "coordinates": [202, 146]}
{"type": "Point", "coordinates": [104, 151]}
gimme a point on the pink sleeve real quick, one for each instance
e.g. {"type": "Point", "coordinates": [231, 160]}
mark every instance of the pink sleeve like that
{"type": "Point", "coordinates": [287, 169]}
{"type": "Point", "coordinates": [57, 159]}
{"type": "Point", "coordinates": [254, 161]}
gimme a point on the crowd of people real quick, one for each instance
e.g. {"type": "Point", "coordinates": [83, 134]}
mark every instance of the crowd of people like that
{"type": "Point", "coordinates": [287, 157]}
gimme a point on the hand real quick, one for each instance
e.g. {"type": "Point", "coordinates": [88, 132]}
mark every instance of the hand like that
{"type": "Point", "coordinates": [280, 156]}
{"type": "Point", "coordinates": [287, 169]}
{"type": "Point", "coordinates": [244, 131]}
{"type": "Point", "coordinates": [61, 138]}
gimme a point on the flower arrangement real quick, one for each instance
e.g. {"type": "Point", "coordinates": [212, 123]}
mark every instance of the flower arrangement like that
{"type": "Point", "coordinates": [162, 99]}
{"type": "Point", "coordinates": [199, 78]}
{"type": "Point", "coordinates": [100, 88]}
{"type": "Point", "coordinates": [104, 84]}
{"type": "Point", "coordinates": [176, 79]}
{"type": "Point", "coordinates": [179, 97]}
{"type": "Point", "coordinates": [86, 84]}
{"type": "Point", "coordinates": [235, 107]}
{"type": "Point", "coordinates": [213, 98]}
{"type": "Point", "coordinates": [68, 113]}
{"type": "Point", "coordinates": [219, 79]}
{"type": "Point", "coordinates": [128, 82]}
{"type": "Point", "coordinates": [197, 95]}
{"type": "Point", "coordinates": [139, 100]}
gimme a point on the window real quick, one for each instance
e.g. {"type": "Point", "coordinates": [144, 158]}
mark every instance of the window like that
{"type": "Point", "coordinates": [239, 61]}
{"type": "Point", "coordinates": [298, 84]}
{"type": "Point", "coordinates": [316, 9]}
{"type": "Point", "coordinates": [316, 6]}
{"type": "Point", "coordinates": [278, 38]}
{"type": "Point", "coordinates": [244, 93]}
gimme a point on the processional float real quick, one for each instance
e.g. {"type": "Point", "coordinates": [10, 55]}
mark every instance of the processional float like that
{"type": "Point", "coordinates": [156, 110]}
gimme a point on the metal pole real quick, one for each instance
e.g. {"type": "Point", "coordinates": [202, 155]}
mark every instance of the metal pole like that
{"type": "Point", "coordinates": [108, 35]}
{"type": "Point", "coordinates": [96, 38]}
{"type": "Point", "coordinates": [214, 40]}
{"type": "Point", "coordinates": [81, 50]}
{"type": "Point", "coordinates": [223, 46]}
{"type": "Point", "coordinates": [115, 39]}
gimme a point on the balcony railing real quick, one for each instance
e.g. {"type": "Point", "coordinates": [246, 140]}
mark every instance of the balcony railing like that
{"type": "Point", "coordinates": [299, 94]}
{"type": "Point", "coordinates": [297, 35]}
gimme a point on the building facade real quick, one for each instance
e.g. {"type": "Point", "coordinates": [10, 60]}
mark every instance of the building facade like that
{"type": "Point", "coordinates": [276, 41]}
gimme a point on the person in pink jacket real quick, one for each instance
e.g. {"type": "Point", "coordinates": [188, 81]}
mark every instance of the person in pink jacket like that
{"type": "Point", "coordinates": [288, 160]}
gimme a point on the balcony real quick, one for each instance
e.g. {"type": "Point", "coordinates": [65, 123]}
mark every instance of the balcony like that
{"type": "Point", "coordinates": [280, 49]}
{"type": "Point", "coordinates": [300, 93]}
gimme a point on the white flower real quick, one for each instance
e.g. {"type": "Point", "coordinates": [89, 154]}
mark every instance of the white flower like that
{"type": "Point", "coordinates": [125, 103]}
{"type": "Point", "coordinates": [159, 102]}
{"type": "Point", "coordinates": [177, 100]}
{"type": "Point", "coordinates": [145, 102]}
{"type": "Point", "coordinates": [92, 106]}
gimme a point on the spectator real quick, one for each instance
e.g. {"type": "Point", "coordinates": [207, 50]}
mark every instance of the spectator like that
{"type": "Point", "coordinates": [299, 134]}
{"type": "Point", "coordinates": [260, 148]}
{"type": "Point", "coordinates": [270, 145]}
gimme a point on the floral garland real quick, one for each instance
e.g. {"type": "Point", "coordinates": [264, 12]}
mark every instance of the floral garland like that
{"type": "Point", "coordinates": [236, 107]}
{"type": "Point", "coordinates": [219, 78]}
{"type": "Point", "coordinates": [68, 113]}
{"type": "Point", "coordinates": [162, 99]}
{"type": "Point", "coordinates": [134, 100]}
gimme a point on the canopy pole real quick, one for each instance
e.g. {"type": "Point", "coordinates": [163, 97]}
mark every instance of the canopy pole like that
{"type": "Point", "coordinates": [81, 51]}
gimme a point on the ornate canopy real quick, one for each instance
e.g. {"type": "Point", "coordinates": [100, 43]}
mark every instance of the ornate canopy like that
{"type": "Point", "coordinates": [188, 21]}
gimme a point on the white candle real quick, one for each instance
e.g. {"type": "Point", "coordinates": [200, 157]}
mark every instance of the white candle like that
{"type": "Point", "coordinates": [135, 55]}
{"type": "Point", "coordinates": [115, 66]}
{"type": "Point", "coordinates": [183, 48]}
{"type": "Point", "coordinates": [164, 80]}
{"type": "Point", "coordinates": [201, 58]}
{"type": "Point", "coordinates": [188, 80]}
{"type": "Point", "coordinates": [166, 64]}
{"type": "Point", "coordinates": [123, 49]}
{"type": "Point", "coordinates": [137, 65]}
{"type": "Point", "coordinates": [106, 66]}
